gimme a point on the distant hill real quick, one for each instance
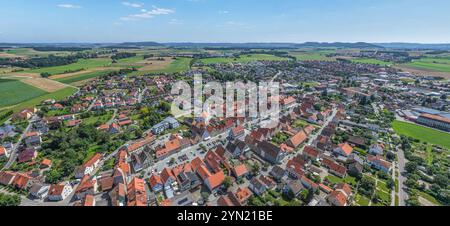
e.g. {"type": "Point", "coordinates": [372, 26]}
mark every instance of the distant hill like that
{"type": "Point", "coordinates": [357, 45]}
{"type": "Point", "coordinates": [400, 45]}
{"type": "Point", "coordinates": [230, 45]}
{"type": "Point", "coordinates": [140, 44]}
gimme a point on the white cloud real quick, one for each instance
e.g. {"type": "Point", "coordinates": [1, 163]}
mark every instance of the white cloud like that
{"type": "Point", "coordinates": [147, 14]}
{"type": "Point", "coordinates": [133, 5]}
{"type": "Point", "coordinates": [175, 22]}
{"type": "Point", "coordinates": [223, 12]}
{"type": "Point", "coordinates": [69, 6]}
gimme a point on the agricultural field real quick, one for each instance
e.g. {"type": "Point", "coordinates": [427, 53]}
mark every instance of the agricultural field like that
{"type": "Point", "coordinates": [310, 56]}
{"type": "Point", "coordinates": [45, 84]}
{"type": "Point", "coordinates": [371, 61]}
{"type": "Point", "coordinates": [28, 52]}
{"type": "Point", "coordinates": [58, 95]}
{"type": "Point", "coordinates": [82, 77]}
{"type": "Point", "coordinates": [422, 133]}
{"type": "Point", "coordinates": [15, 91]}
{"type": "Point", "coordinates": [178, 65]}
{"type": "Point", "coordinates": [431, 64]}
{"type": "Point", "coordinates": [245, 58]}
{"type": "Point", "coordinates": [82, 64]}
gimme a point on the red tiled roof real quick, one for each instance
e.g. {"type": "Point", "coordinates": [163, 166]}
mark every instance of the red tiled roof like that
{"type": "Point", "coordinates": [240, 170]}
{"type": "Point", "coordinates": [215, 180]}
{"type": "Point", "coordinates": [298, 139]}
{"type": "Point", "coordinates": [346, 148]}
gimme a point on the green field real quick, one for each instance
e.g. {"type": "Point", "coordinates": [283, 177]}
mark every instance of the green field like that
{"type": "Point", "coordinates": [15, 91]}
{"type": "Point", "coordinates": [28, 52]}
{"type": "Point", "coordinates": [129, 61]}
{"type": "Point", "coordinates": [58, 95]}
{"type": "Point", "coordinates": [82, 64]}
{"type": "Point", "coordinates": [432, 64]}
{"type": "Point", "coordinates": [310, 56]}
{"type": "Point", "coordinates": [245, 58]}
{"type": "Point", "coordinates": [81, 77]}
{"type": "Point", "coordinates": [179, 65]}
{"type": "Point", "coordinates": [371, 61]}
{"type": "Point", "coordinates": [422, 133]}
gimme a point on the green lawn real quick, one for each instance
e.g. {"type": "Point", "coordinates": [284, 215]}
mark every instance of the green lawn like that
{"type": "Point", "coordinates": [336, 180]}
{"type": "Point", "coordinates": [422, 133]}
{"type": "Point", "coordinates": [362, 200]}
{"type": "Point", "coordinates": [58, 95]}
{"type": "Point", "coordinates": [14, 92]}
{"type": "Point", "coordinates": [432, 64]}
{"type": "Point", "coordinates": [371, 61]}
{"type": "Point", "coordinates": [82, 64]}
{"type": "Point", "coordinates": [245, 58]}
{"type": "Point", "coordinates": [382, 186]}
{"type": "Point", "coordinates": [310, 56]}
{"type": "Point", "coordinates": [101, 119]}
{"type": "Point", "coordinates": [81, 77]}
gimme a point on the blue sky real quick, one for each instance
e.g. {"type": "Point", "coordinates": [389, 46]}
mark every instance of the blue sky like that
{"type": "Point", "coordinates": [425, 21]}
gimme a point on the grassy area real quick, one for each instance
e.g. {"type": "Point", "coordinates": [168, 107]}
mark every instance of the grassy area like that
{"type": "Point", "coordinates": [310, 56]}
{"type": "Point", "coordinates": [422, 133]}
{"type": "Point", "coordinates": [28, 52]}
{"type": "Point", "coordinates": [15, 91]}
{"type": "Point", "coordinates": [245, 58]}
{"type": "Point", "coordinates": [432, 64]}
{"type": "Point", "coordinates": [82, 64]}
{"type": "Point", "coordinates": [58, 95]}
{"type": "Point", "coordinates": [382, 186]}
{"type": "Point", "coordinates": [428, 197]}
{"type": "Point", "coordinates": [81, 77]}
{"type": "Point", "coordinates": [362, 200]}
{"type": "Point", "coordinates": [371, 61]}
{"type": "Point", "coordinates": [336, 180]}
{"type": "Point", "coordinates": [98, 119]}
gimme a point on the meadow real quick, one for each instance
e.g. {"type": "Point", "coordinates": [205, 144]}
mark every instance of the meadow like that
{"type": "Point", "coordinates": [58, 95]}
{"type": "Point", "coordinates": [81, 77]}
{"type": "Point", "coordinates": [310, 56]}
{"type": "Point", "coordinates": [431, 64]}
{"type": "Point", "coordinates": [82, 64]}
{"type": "Point", "coordinates": [15, 91]}
{"type": "Point", "coordinates": [371, 61]}
{"type": "Point", "coordinates": [422, 133]}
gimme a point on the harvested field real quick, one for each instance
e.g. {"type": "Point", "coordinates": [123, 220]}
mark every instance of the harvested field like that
{"type": "Point", "coordinates": [154, 64]}
{"type": "Point", "coordinates": [424, 72]}
{"type": "Point", "coordinates": [7, 55]}
{"type": "Point", "coordinates": [45, 84]}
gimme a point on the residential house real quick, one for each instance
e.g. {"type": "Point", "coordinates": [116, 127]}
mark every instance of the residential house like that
{"type": "Point", "coordinates": [89, 166]}
{"type": "Point", "coordinates": [379, 163]}
{"type": "Point", "coordinates": [7, 177]}
{"type": "Point", "coordinates": [156, 183]}
{"type": "Point", "coordinates": [27, 155]}
{"type": "Point", "coordinates": [39, 191]}
{"type": "Point", "coordinates": [136, 193]}
{"type": "Point", "coordinates": [33, 139]}
{"type": "Point", "coordinates": [59, 192]}
{"type": "Point", "coordinates": [343, 149]}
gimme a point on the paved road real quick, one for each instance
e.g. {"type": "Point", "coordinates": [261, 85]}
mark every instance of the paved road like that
{"type": "Point", "coordinates": [402, 195]}
{"type": "Point", "coordinates": [13, 156]}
